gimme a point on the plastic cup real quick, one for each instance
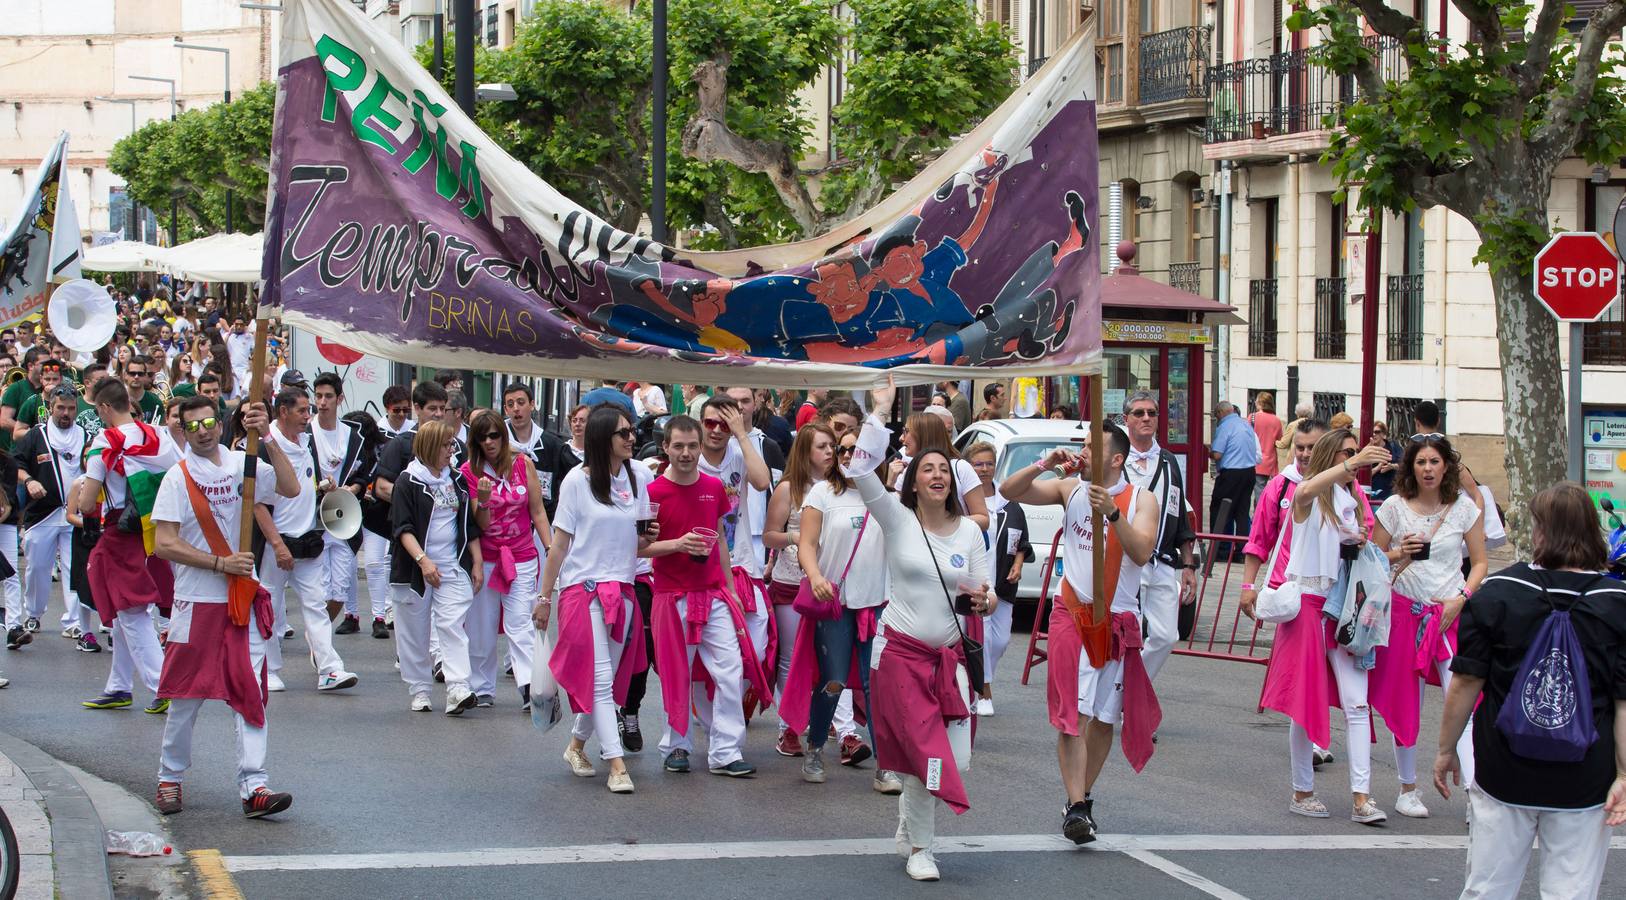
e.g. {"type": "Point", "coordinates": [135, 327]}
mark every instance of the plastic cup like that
{"type": "Point", "coordinates": [650, 516]}
{"type": "Point", "coordinates": [965, 587]}
{"type": "Point", "coordinates": [710, 537]}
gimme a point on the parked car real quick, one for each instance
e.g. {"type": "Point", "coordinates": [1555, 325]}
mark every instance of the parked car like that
{"type": "Point", "coordinates": [1023, 442]}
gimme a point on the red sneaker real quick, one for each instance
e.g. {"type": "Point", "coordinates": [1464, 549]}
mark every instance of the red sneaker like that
{"type": "Point", "coordinates": [168, 799]}
{"type": "Point", "coordinates": [790, 744]}
{"type": "Point", "coordinates": [854, 750]}
{"type": "Point", "coordinates": [264, 802]}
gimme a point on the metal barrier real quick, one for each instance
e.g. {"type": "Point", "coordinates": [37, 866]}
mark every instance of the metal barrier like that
{"type": "Point", "coordinates": [1218, 628]}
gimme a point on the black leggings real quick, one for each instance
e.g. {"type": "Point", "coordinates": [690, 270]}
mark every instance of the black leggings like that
{"type": "Point", "coordinates": [640, 681]}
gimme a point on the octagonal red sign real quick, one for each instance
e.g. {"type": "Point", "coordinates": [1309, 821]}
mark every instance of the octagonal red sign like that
{"type": "Point", "coordinates": [1577, 276]}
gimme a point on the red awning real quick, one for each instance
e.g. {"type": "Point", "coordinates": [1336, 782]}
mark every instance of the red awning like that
{"type": "Point", "coordinates": [1128, 288]}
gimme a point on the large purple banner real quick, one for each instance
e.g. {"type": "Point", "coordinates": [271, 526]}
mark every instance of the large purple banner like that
{"type": "Point", "coordinates": [398, 228]}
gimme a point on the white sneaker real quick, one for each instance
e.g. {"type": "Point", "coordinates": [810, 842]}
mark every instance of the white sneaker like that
{"type": "Point", "coordinates": [985, 706]}
{"type": "Point", "coordinates": [4, 681]}
{"type": "Point", "coordinates": [72, 632]}
{"type": "Point", "coordinates": [902, 839]}
{"type": "Point", "coordinates": [620, 782]}
{"type": "Point", "coordinates": [273, 683]}
{"type": "Point", "coordinates": [458, 699]}
{"type": "Point", "coordinates": [336, 681]}
{"type": "Point", "coordinates": [580, 765]}
{"type": "Point", "coordinates": [1410, 805]}
{"type": "Point", "coordinates": [921, 866]}
{"type": "Point", "coordinates": [1368, 814]}
{"type": "Point", "coordinates": [420, 703]}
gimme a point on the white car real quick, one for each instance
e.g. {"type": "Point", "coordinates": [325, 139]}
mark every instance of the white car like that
{"type": "Point", "coordinates": [1023, 442]}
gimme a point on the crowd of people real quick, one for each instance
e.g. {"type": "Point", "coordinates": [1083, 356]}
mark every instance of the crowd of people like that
{"type": "Point", "coordinates": [794, 557]}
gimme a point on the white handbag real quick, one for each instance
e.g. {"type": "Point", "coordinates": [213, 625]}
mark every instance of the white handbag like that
{"type": "Point", "coordinates": [1279, 604]}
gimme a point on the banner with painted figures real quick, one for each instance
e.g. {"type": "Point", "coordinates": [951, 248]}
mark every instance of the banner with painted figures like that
{"type": "Point", "coordinates": [42, 246]}
{"type": "Point", "coordinates": [400, 229]}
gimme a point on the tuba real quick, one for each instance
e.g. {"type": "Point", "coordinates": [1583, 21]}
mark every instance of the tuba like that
{"type": "Point", "coordinates": [82, 315]}
{"type": "Point", "coordinates": [15, 374]}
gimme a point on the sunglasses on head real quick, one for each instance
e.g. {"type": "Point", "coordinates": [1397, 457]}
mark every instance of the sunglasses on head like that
{"type": "Point", "coordinates": [205, 422]}
{"type": "Point", "coordinates": [1429, 436]}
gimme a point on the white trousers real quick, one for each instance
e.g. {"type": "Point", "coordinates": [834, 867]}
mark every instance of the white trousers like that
{"type": "Point", "coordinates": [724, 716]}
{"type": "Point", "coordinates": [338, 563]}
{"type": "Point", "coordinates": [376, 549]}
{"type": "Point", "coordinates": [44, 547]}
{"type": "Point", "coordinates": [996, 636]}
{"type": "Point", "coordinates": [606, 656]}
{"type": "Point", "coordinates": [1358, 721]}
{"type": "Point", "coordinates": [756, 623]}
{"type": "Point", "coordinates": [176, 756]}
{"type": "Point", "coordinates": [12, 587]}
{"type": "Point", "coordinates": [1406, 757]}
{"type": "Point", "coordinates": [1574, 848]}
{"type": "Point", "coordinates": [1160, 604]}
{"type": "Point", "coordinates": [135, 649]}
{"type": "Point", "coordinates": [441, 611]}
{"type": "Point", "coordinates": [306, 578]}
{"type": "Point", "coordinates": [512, 613]}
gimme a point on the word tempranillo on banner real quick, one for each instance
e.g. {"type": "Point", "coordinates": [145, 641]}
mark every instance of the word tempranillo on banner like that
{"type": "Point", "coordinates": [399, 228]}
{"type": "Point", "coordinates": [42, 247]}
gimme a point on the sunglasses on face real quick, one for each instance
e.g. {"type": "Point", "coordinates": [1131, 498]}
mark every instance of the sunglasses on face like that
{"type": "Point", "coordinates": [1141, 414]}
{"type": "Point", "coordinates": [838, 427]}
{"type": "Point", "coordinates": [1347, 452]}
{"type": "Point", "coordinates": [206, 422]}
{"type": "Point", "coordinates": [714, 425]}
{"type": "Point", "coordinates": [844, 451]}
{"type": "Point", "coordinates": [493, 436]}
{"type": "Point", "coordinates": [400, 410]}
{"type": "Point", "coordinates": [626, 434]}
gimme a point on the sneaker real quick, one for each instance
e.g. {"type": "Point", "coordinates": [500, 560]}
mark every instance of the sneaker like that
{"type": "Point", "coordinates": [904, 843]}
{"type": "Point", "coordinates": [1368, 814]}
{"type": "Point", "coordinates": [158, 707]}
{"type": "Point", "coordinates": [168, 798]}
{"type": "Point", "coordinates": [273, 683]}
{"type": "Point", "coordinates": [389, 619]}
{"type": "Point", "coordinates": [1321, 756]}
{"type": "Point", "coordinates": [887, 783]}
{"type": "Point", "coordinates": [484, 701]}
{"type": "Point", "coordinates": [1076, 825]}
{"type": "Point", "coordinates": [87, 644]}
{"type": "Point", "coordinates": [17, 636]}
{"type": "Point", "coordinates": [380, 630]}
{"type": "Point", "coordinates": [922, 866]}
{"type": "Point", "coordinates": [1309, 807]}
{"type": "Point", "coordinates": [287, 635]}
{"type": "Point", "coordinates": [739, 768]}
{"type": "Point", "coordinates": [580, 765]}
{"type": "Point", "coordinates": [1410, 805]}
{"type": "Point", "coordinates": [813, 766]}
{"type": "Point", "coordinates": [985, 706]}
{"type": "Point", "coordinates": [440, 673]}
{"type": "Point", "coordinates": [72, 632]}
{"type": "Point", "coordinates": [1089, 814]}
{"type": "Point", "coordinates": [265, 802]}
{"type": "Point", "coordinates": [32, 623]}
{"type": "Point", "coordinates": [4, 682]}
{"type": "Point", "coordinates": [350, 625]}
{"type": "Point", "coordinates": [620, 782]}
{"type": "Point", "coordinates": [459, 700]}
{"type": "Point", "coordinates": [508, 669]}
{"type": "Point", "coordinates": [109, 700]}
{"type": "Point", "coordinates": [632, 740]}
{"type": "Point", "coordinates": [854, 750]}
{"type": "Point", "coordinates": [336, 681]}
{"type": "Point", "coordinates": [420, 703]}
{"type": "Point", "coordinates": [677, 761]}
{"type": "Point", "coordinates": [789, 743]}
{"type": "Point", "coordinates": [524, 698]}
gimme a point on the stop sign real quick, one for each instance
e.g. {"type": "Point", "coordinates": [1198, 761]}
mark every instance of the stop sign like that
{"type": "Point", "coordinates": [1577, 276]}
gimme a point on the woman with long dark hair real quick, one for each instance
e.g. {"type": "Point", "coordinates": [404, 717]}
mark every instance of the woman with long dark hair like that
{"type": "Point", "coordinates": [594, 555]}
{"type": "Point", "coordinates": [926, 431]}
{"type": "Point", "coordinates": [1424, 527]}
{"type": "Point", "coordinates": [512, 521]}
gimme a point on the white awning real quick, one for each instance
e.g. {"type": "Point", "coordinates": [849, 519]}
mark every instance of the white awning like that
{"type": "Point", "coordinates": [122, 256]}
{"type": "Point", "coordinates": [219, 257]}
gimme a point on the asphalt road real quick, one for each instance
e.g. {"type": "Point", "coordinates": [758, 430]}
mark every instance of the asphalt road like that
{"type": "Point", "coordinates": [390, 803]}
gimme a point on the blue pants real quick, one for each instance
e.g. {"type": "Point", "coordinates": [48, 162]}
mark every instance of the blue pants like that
{"type": "Point", "coordinates": [834, 641]}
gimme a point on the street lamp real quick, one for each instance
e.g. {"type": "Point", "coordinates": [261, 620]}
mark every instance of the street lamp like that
{"type": "Point", "coordinates": [226, 90]}
{"type": "Point", "coordinates": [132, 105]}
{"type": "Point", "coordinates": [174, 204]}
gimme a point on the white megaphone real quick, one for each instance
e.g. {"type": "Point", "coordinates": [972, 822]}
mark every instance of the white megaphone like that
{"type": "Point", "coordinates": [82, 315]}
{"type": "Point", "coordinates": [341, 514]}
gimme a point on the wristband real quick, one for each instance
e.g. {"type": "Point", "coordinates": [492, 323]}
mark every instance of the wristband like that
{"type": "Point", "coordinates": [1249, 587]}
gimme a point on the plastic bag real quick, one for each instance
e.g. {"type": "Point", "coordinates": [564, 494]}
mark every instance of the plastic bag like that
{"type": "Point", "coordinates": [1360, 602]}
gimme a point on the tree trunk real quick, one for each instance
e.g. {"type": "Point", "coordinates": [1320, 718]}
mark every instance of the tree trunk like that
{"type": "Point", "coordinates": [1533, 404]}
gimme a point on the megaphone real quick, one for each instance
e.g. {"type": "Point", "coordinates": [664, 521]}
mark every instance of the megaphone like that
{"type": "Point", "coordinates": [82, 315]}
{"type": "Point", "coordinates": [341, 514]}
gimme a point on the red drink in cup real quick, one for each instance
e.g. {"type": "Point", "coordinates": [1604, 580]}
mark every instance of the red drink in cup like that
{"type": "Point", "coordinates": [710, 538]}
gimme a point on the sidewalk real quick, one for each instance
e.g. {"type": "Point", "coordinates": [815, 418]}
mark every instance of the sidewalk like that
{"type": "Point", "coordinates": [58, 832]}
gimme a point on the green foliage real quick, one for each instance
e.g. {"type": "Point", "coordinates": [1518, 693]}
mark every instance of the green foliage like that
{"type": "Point", "coordinates": [197, 158]}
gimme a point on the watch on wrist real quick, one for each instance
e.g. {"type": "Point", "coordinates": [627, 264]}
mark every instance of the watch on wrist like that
{"type": "Point", "coordinates": [1192, 566]}
{"type": "Point", "coordinates": [1115, 516]}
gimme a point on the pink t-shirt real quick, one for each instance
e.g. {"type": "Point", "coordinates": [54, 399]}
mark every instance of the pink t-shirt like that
{"type": "Point", "coordinates": [1268, 429]}
{"type": "Point", "coordinates": [685, 507]}
{"type": "Point", "coordinates": [510, 507]}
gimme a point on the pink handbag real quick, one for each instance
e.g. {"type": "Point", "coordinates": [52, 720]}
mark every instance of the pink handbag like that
{"type": "Point", "coordinates": [810, 606]}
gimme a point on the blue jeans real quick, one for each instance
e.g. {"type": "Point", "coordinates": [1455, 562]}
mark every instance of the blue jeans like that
{"type": "Point", "coordinates": [833, 643]}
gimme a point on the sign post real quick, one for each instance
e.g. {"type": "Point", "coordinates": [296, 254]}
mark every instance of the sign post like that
{"type": "Point", "coordinates": [1576, 277]}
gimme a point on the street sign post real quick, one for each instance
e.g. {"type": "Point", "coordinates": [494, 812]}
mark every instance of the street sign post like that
{"type": "Point", "coordinates": [1577, 277]}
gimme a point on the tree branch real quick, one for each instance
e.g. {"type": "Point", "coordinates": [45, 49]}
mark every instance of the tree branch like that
{"type": "Point", "coordinates": [1539, 48]}
{"type": "Point", "coordinates": [707, 138]}
{"type": "Point", "coordinates": [717, 216]}
{"type": "Point", "coordinates": [1562, 125]}
{"type": "Point", "coordinates": [1386, 20]}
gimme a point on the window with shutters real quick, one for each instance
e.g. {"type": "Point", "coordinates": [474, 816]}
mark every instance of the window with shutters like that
{"type": "Point", "coordinates": [1110, 50]}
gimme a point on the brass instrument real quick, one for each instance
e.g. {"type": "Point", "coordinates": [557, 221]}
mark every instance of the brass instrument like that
{"type": "Point", "coordinates": [15, 374]}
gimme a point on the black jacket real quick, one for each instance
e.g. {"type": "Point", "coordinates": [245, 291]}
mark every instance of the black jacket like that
{"type": "Point", "coordinates": [391, 462]}
{"type": "Point", "coordinates": [1174, 526]}
{"type": "Point", "coordinates": [33, 454]}
{"type": "Point", "coordinates": [356, 467]}
{"type": "Point", "coordinates": [1012, 516]}
{"type": "Point", "coordinates": [410, 506]}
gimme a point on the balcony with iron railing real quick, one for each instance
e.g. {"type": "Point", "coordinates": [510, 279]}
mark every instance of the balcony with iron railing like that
{"type": "Point", "coordinates": [1174, 64]}
{"type": "Point", "coordinates": [1331, 327]}
{"type": "Point", "coordinates": [1405, 302]}
{"type": "Point", "coordinates": [1187, 276]}
{"type": "Point", "coordinates": [1287, 93]}
{"type": "Point", "coordinates": [1262, 317]}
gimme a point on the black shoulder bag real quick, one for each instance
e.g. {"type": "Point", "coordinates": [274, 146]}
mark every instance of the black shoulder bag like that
{"type": "Point", "coordinates": [974, 671]}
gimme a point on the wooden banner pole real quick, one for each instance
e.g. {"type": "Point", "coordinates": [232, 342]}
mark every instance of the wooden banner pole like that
{"type": "Point", "coordinates": [251, 451]}
{"type": "Point", "coordinates": [1098, 524]}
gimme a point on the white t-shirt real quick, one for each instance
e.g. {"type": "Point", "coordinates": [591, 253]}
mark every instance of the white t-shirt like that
{"type": "Point", "coordinates": [330, 446]}
{"type": "Point", "coordinates": [66, 449]}
{"type": "Point", "coordinates": [116, 484]}
{"type": "Point", "coordinates": [604, 538]}
{"type": "Point", "coordinates": [1316, 543]}
{"type": "Point", "coordinates": [738, 522]}
{"type": "Point", "coordinates": [441, 542]}
{"type": "Point", "coordinates": [843, 517]}
{"type": "Point", "coordinates": [240, 349]}
{"type": "Point", "coordinates": [1439, 576]}
{"type": "Point", "coordinates": [649, 399]}
{"type": "Point", "coordinates": [294, 516]}
{"type": "Point", "coordinates": [221, 486]}
{"type": "Point", "coordinates": [1078, 547]}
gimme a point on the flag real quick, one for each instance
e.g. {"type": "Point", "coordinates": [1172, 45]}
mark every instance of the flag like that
{"type": "Point", "coordinates": [43, 245]}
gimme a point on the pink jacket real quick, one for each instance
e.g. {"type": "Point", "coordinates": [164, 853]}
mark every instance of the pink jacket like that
{"type": "Point", "coordinates": [914, 694]}
{"type": "Point", "coordinates": [572, 661]}
{"type": "Point", "coordinates": [672, 637]}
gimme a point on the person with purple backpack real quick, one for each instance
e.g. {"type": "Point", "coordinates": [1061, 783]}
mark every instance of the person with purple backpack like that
{"type": "Point", "coordinates": [1542, 651]}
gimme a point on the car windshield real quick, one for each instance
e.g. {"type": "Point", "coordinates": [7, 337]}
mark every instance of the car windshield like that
{"type": "Point", "coordinates": [1019, 453]}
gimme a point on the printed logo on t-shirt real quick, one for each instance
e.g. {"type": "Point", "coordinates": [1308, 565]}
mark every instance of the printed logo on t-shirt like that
{"type": "Point", "coordinates": [957, 561]}
{"type": "Point", "coordinates": [444, 496]}
{"type": "Point", "coordinates": [857, 521]}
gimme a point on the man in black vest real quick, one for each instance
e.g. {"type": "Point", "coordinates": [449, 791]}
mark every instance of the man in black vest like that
{"type": "Point", "coordinates": [1170, 577]}
{"type": "Point", "coordinates": [49, 458]}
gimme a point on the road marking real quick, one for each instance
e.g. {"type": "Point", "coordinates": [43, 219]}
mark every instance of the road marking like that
{"type": "Point", "coordinates": [1181, 873]}
{"type": "Point", "coordinates": [995, 843]}
{"type": "Point", "coordinates": [216, 881]}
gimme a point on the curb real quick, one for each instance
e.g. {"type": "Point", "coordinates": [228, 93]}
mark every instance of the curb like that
{"type": "Point", "coordinates": [77, 840]}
